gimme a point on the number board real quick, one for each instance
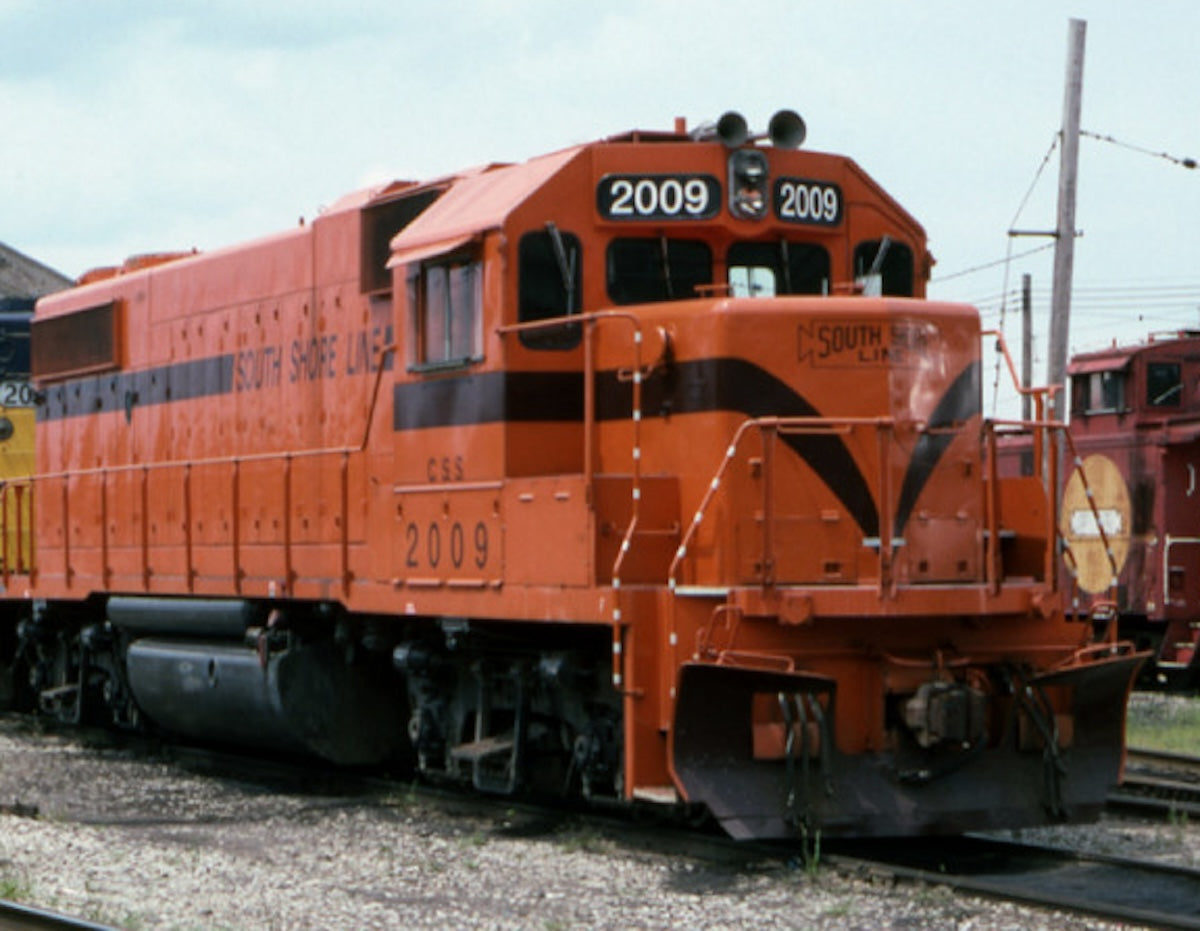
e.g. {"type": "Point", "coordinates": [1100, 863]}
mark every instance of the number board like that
{"type": "Point", "coordinates": [803, 200]}
{"type": "Point", "coordinates": [447, 535]}
{"type": "Point", "coordinates": [658, 197]}
{"type": "Point", "coordinates": [17, 394]}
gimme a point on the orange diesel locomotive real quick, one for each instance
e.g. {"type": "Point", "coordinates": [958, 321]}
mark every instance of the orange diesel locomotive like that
{"type": "Point", "coordinates": [640, 470]}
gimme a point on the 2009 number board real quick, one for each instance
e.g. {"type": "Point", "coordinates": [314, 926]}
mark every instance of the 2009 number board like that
{"type": "Point", "coordinates": [658, 197]}
{"type": "Point", "coordinates": [803, 200]}
{"type": "Point", "coordinates": [698, 197]}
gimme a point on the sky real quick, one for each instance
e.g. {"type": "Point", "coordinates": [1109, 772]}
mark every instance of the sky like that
{"type": "Point", "coordinates": [135, 126]}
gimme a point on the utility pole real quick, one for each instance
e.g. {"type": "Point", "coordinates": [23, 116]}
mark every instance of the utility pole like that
{"type": "Point", "coordinates": [1064, 249]}
{"type": "Point", "coordinates": [1026, 344]}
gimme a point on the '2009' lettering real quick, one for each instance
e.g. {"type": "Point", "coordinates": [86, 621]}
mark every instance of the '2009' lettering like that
{"type": "Point", "coordinates": [798, 200]}
{"type": "Point", "coordinates": [658, 197]}
{"type": "Point", "coordinates": [648, 197]}
{"type": "Point", "coordinates": [435, 546]}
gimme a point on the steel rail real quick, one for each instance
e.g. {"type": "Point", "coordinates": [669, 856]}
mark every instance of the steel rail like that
{"type": "Point", "coordinates": [1109, 887]}
{"type": "Point", "coordinates": [1159, 781]}
{"type": "Point", "coordinates": [16, 916]}
{"type": "Point", "coordinates": [1145, 758]}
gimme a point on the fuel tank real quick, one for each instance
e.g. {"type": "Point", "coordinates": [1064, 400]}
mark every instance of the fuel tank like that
{"type": "Point", "coordinates": [304, 700]}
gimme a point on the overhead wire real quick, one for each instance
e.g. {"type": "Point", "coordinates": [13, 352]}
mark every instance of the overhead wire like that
{"type": "Point", "coordinates": [1159, 305]}
{"type": "Point", "coordinates": [1008, 260]}
{"type": "Point", "coordinates": [1181, 162]}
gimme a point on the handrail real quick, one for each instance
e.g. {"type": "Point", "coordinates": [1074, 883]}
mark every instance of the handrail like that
{"type": "Point", "coordinates": [1039, 394]}
{"type": "Point", "coordinates": [1053, 495]}
{"type": "Point", "coordinates": [637, 375]}
{"type": "Point", "coordinates": [187, 467]}
{"type": "Point", "coordinates": [105, 472]}
{"type": "Point", "coordinates": [358, 447]}
{"type": "Point", "coordinates": [1050, 485]}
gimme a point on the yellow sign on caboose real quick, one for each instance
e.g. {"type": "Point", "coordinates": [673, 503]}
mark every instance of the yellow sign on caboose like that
{"type": "Point", "coordinates": [1096, 522]}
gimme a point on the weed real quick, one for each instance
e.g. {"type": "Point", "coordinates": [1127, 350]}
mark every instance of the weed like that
{"type": "Point", "coordinates": [583, 841]}
{"type": "Point", "coordinates": [810, 851]}
{"type": "Point", "coordinates": [129, 921]}
{"type": "Point", "coordinates": [1178, 822]}
{"type": "Point", "coordinates": [841, 910]}
{"type": "Point", "coordinates": [15, 888]}
{"type": "Point", "coordinates": [933, 896]}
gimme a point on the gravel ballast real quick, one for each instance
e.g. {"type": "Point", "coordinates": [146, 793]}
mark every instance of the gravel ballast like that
{"type": "Point", "coordinates": [145, 843]}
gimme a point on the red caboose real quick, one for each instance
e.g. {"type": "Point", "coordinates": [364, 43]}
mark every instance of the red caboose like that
{"type": "Point", "coordinates": [639, 470]}
{"type": "Point", "coordinates": [1135, 423]}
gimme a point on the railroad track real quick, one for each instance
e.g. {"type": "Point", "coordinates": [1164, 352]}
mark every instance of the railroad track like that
{"type": "Point", "coordinates": [1114, 888]}
{"type": "Point", "coordinates": [1161, 782]}
{"type": "Point", "coordinates": [1103, 886]}
{"type": "Point", "coordinates": [17, 917]}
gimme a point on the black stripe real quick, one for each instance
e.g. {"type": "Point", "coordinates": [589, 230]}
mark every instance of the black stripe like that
{"type": "Point", "coordinates": [722, 384]}
{"type": "Point", "coordinates": [118, 391]}
{"type": "Point", "coordinates": [732, 384]}
{"type": "Point", "coordinates": [958, 404]}
{"type": "Point", "coordinates": [488, 397]}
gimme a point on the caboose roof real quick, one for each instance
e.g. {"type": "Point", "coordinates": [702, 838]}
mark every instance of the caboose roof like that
{"type": "Point", "coordinates": [474, 204]}
{"type": "Point", "coordinates": [1118, 357]}
{"type": "Point", "coordinates": [1107, 361]}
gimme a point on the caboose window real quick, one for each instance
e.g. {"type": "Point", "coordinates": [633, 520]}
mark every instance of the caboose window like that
{"type": "Point", "coordinates": [1109, 391]}
{"type": "Point", "coordinates": [647, 270]}
{"type": "Point", "coordinates": [1098, 392]}
{"type": "Point", "coordinates": [549, 286]}
{"type": "Point", "coordinates": [1079, 394]}
{"type": "Point", "coordinates": [447, 298]}
{"type": "Point", "coordinates": [763, 269]}
{"type": "Point", "coordinates": [888, 258]}
{"type": "Point", "coordinates": [1164, 384]}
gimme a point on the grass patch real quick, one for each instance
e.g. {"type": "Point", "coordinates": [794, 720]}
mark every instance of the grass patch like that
{"type": "Point", "coordinates": [583, 840]}
{"type": "Point", "coordinates": [128, 921]}
{"type": "Point", "coordinates": [15, 888]}
{"type": "Point", "coordinates": [1163, 722]}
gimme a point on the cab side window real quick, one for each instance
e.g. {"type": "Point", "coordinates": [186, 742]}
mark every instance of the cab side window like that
{"type": "Point", "coordinates": [549, 285]}
{"type": "Point", "coordinates": [888, 258]}
{"type": "Point", "coordinates": [446, 295]}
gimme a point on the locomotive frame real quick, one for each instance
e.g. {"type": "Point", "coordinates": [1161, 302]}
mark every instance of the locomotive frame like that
{"type": "Point", "coordinates": [641, 470]}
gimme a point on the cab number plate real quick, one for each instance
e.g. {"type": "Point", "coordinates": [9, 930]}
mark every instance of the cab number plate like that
{"type": "Point", "coordinates": [658, 197]}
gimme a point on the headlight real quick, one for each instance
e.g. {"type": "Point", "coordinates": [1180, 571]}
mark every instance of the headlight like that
{"type": "Point", "coordinates": [748, 184]}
